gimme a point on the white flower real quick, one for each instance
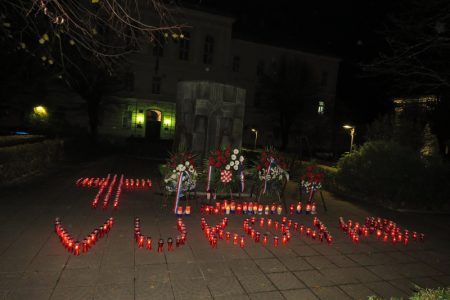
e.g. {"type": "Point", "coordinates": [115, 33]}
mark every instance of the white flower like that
{"type": "Point", "coordinates": [236, 162]}
{"type": "Point", "coordinates": [236, 167]}
{"type": "Point", "coordinates": [235, 151]}
{"type": "Point", "coordinates": [227, 167]}
{"type": "Point", "coordinates": [186, 163]}
{"type": "Point", "coordinates": [183, 168]}
{"type": "Point", "coordinates": [241, 158]}
{"type": "Point", "coordinates": [231, 163]}
{"type": "Point", "coordinates": [173, 176]}
{"type": "Point", "coordinates": [280, 177]}
{"type": "Point", "coordinates": [233, 157]}
{"type": "Point", "coordinates": [179, 166]}
{"type": "Point", "coordinates": [174, 171]}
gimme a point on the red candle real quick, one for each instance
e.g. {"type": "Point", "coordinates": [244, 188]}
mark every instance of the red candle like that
{"type": "Point", "coordinates": [76, 248]}
{"type": "Point", "coordinates": [275, 241]}
{"type": "Point", "coordinates": [414, 235]}
{"type": "Point", "coordinates": [378, 233]}
{"type": "Point", "coordinates": [308, 231]}
{"type": "Point", "coordinates": [216, 210]}
{"type": "Point", "coordinates": [261, 222]}
{"type": "Point", "coordinates": [284, 240]}
{"type": "Point", "coordinates": [295, 225]}
{"type": "Point", "coordinates": [253, 219]}
{"type": "Point", "coordinates": [169, 244]}
{"type": "Point", "coordinates": [141, 241]}
{"type": "Point", "coordinates": [385, 237]}
{"type": "Point", "coordinates": [276, 225]}
{"type": "Point", "coordinates": [406, 240]}
{"type": "Point", "coordinates": [257, 237]}
{"type": "Point", "coordinates": [84, 246]}
{"type": "Point", "coordinates": [291, 209]}
{"type": "Point", "coordinates": [187, 212]}
{"type": "Point", "coordinates": [314, 234]}
{"type": "Point", "coordinates": [221, 234]}
{"type": "Point", "coordinates": [269, 222]}
{"type": "Point", "coordinates": [253, 233]}
{"type": "Point", "coordinates": [289, 224]}
{"type": "Point", "coordinates": [284, 220]}
{"type": "Point", "coordinates": [242, 241]}
{"type": "Point", "coordinates": [160, 245]}
{"type": "Point", "coordinates": [235, 239]}
{"type": "Point", "coordinates": [149, 243]}
{"type": "Point", "coordinates": [239, 209]}
{"type": "Point", "coordinates": [265, 239]}
{"type": "Point", "coordinates": [302, 229]}
{"type": "Point", "coordinates": [299, 207]}
{"type": "Point", "coordinates": [228, 235]}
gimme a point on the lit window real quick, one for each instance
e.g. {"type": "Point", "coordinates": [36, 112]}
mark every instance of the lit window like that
{"type": "Point", "coordinates": [156, 85]}
{"type": "Point", "coordinates": [208, 50]}
{"type": "Point", "coordinates": [321, 108]}
{"type": "Point", "coordinates": [236, 63]}
{"type": "Point", "coordinates": [184, 46]}
{"type": "Point", "coordinates": [126, 119]}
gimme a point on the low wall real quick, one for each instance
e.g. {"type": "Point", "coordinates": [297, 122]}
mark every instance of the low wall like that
{"type": "Point", "coordinates": [18, 161]}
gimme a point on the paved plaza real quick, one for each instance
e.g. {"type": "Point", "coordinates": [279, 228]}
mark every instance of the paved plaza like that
{"type": "Point", "coordinates": [34, 264]}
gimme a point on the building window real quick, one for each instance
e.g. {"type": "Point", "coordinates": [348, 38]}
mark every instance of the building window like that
{"type": "Point", "coordinates": [156, 85]}
{"type": "Point", "coordinates": [184, 46]}
{"type": "Point", "coordinates": [324, 79]}
{"type": "Point", "coordinates": [321, 108]}
{"type": "Point", "coordinates": [208, 50]}
{"type": "Point", "coordinates": [158, 45]}
{"type": "Point", "coordinates": [260, 68]}
{"type": "Point", "coordinates": [126, 119]}
{"type": "Point", "coordinates": [128, 81]}
{"type": "Point", "coordinates": [236, 63]}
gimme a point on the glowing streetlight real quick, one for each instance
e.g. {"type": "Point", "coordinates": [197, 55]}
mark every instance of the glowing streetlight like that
{"type": "Point", "coordinates": [256, 135]}
{"type": "Point", "coordinates": [352, 134]}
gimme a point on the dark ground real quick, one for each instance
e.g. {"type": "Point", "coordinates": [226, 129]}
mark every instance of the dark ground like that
{"type": "Point", "coordinates": [34, 265]}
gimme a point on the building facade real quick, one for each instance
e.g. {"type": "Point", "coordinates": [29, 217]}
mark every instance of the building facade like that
{"type": "Point", "coordinates": [207, 51]}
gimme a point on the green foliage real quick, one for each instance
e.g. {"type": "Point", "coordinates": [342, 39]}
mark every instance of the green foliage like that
{"type": "Point", "coordinates": [424, 294]}
{"type": "Point", "coordinates": [394, 174]}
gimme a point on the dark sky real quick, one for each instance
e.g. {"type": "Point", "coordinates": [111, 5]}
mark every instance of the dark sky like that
{"type": "Point", "coordinates": [349, 29]}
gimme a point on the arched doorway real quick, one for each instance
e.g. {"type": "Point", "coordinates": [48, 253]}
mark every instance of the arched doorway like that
{"type": "Point", "coordinates": [153, 124]}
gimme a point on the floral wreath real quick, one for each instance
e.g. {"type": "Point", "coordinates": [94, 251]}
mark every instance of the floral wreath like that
{"type": "Point", "coordinates": [180, 163]}
{"type": "Point", "coordinates": [312, 180]}
{"type": "Point", "coordinates": [270, 170]}
{"type": "Point", "coordinates": [225, 168]}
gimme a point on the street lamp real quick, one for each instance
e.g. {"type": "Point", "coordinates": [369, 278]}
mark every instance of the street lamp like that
{"type": "Point", "coordinates": [256, 135]}
{"type": "Point", "coordinates": [352, 134]}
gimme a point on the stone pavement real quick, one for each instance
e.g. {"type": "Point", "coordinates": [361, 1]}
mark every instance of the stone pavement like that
{"type": "Point", "coordinates": [34, 265]}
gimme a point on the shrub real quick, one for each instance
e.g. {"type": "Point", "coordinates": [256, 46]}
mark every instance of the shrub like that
{"type": "Point", "coordinates": [395, 175]}
{"type": "Point", "coordinates": [22, 160]}
{"type": "Point", "coordinates": [424, 294]}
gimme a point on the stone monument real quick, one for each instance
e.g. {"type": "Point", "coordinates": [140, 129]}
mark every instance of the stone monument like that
{"type": "Point", "coordinates": [209, 115]}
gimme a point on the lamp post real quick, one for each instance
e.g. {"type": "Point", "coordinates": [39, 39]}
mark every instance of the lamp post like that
{"type": "Point", "coordinates": [256, 135]}
{"type": "Point", "coordinates": [352, 134]}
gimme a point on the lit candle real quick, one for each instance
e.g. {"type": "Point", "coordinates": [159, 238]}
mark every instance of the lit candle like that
{"type": "Point", "coordinates": [141, 241]}
{"type": "Point", "coordinates": [378, 233]}
{"type": "Point", "coordinates": [187, 212]}
{"type": "Point", "coordinates": [253, 220]}
{"type": "Point", "coordinates": [260, 209]}
{"type": "Point", "coordinates": [76, 248]}
{"type": "Point", "coordinates": [308, 231]}
{"type": "Point", "coordinates": [244, 207]}
{"type": "Point", "coordinates": [169, 244]}
{"type": "Point", "coordinates": [242, 243]}
{"type": "Point", "coordinates": [180, 210]}
{"type": "Point", "coordinates": [250, 207]}
{"type": "Point", "coordinates": [252, 233]}
{"type": "Point", "coordinates": [308, 208]}
{"type": "Point", "coordinates": [279, 209]}
{"type": "Point", "coordinates": [284, 240]}
{"type": "Point", "coordinates": [266, 210]}
{"type": "Point", "coordinates": [313, 234]}
{"type": "Point", "coordinates": [221, 234]}
{"type": "Point", "coordinates": [257, 237]}
{"type": "Point", "coordinates": [273, 209]}
{"type": "Point", "coordinates": [235, 239]}
{"type": "Point", "coordinates": [239, 209]}
{"type": "Point", "coordinates": [85, 246]}
{"type": "Point", "coordinates": [265, 239]}
{"type": "Point", "coordinates": [149, 243]}
{"type": "Point", "coordinates": [291, 209]}
{"type": "Point", "coordinates": [276, 225]}
{"type": "Point", "coordinates": [261, 222]}
{"type": "Point", "coordinates": [160, 245]}
{"type": "Point", "coordinates": [313, 208]}
{"type": "Point", "coordinates": [228, 235]}
{"type": "Point", "coordinates": [275, 241]}
{"type": "Point", "coordinates": [289, 223]}
{"type": "Point", "coordinates": [232, 207]}
{"type": "Point", "coordinates": [295, 225]}
{"type": "Point", "coordinates": [283, 220]}
{"type": "Point", "coordinates": [269, 222]}
{"type": "Point", "coordinates": [299, 207]}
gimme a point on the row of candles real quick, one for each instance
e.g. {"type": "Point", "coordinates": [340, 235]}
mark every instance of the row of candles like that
{"type": "Point", "coordinates": [137, 183]}
{"type": "Point", "coordinates": [92, 182]}
{"type": "Point", "coordinates": [130, 183]}
{"type": "Point", "coordinates": [76, 247]}
{"type": "Point", "coordinates": [146, 241]}
{"type": "Point", "coordinates": [185, 212]}
{"type": "Point", "coordinates": [226, 207]}
{"type": "Point", "coordinates": [384, 229]}
{"type": "Point", "coordinates": [217, 232]}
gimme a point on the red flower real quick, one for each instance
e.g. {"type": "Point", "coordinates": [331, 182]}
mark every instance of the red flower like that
{"type": "Point", "coordinates": [258, 167]}
{"type": "Point", "coordinates": [218, 165]}
{"type": "Point", "coordinates": [211, 161]}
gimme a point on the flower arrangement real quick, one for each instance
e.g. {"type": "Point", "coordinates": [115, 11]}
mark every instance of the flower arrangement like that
{"type": "Point", "coordinates": [270, 170]}
{"type": "Point", "coordinates": [225, 168]}
{"type": "Point", "coordinates": [180, 163]}
{"type": "Point", "coordinates": [312, 180]}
